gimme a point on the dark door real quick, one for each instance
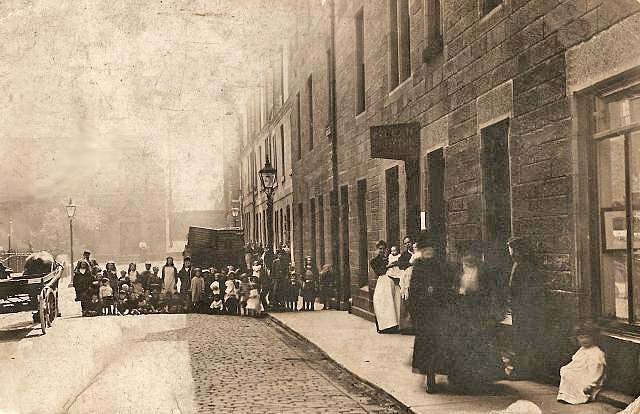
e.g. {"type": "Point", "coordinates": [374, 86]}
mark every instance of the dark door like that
{"type": "Point", "coordinates": [393, 206]}
{"type": "Point", "coordinates": [346, 264]}
{"type": "Point", "coordinates": [435, 195]}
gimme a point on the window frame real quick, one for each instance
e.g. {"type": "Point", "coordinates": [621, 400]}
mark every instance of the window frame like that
{"type": "Point", "coordinates": [586, 100]}
{"type": "Point", "coordinates": [360, 73]}
{"type": "Point", "coordinates": [483, 7]}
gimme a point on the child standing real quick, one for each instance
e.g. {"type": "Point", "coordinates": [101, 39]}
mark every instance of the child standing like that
{"type": "Point", "coordinates": [292, 292]}
{"type": "Point", "coordinates": [309, 284]}
{"type": "Point", "coordinates": [105, 294]}
{"type": "Point", "coordinates": [217, 302]}
{"type": "Point", "coordinates": [244, 292]}
{"type": "Point", "coordinates": [254, 304]}
{"type": "Point", "coordinates": [581, 380]}
{"type": "Point", "coordinates": [197, 290]}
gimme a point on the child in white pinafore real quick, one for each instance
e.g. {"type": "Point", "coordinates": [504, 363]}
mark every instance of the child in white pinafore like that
{"type": "Point", "coordinates": [581, 380]}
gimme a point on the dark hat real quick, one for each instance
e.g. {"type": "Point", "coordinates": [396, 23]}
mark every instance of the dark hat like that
{"type": "Point", "coordinates": [104, 279]}
{"type": "Point", "coordinates": [187, 258]}
{"type": "Point", "coordinates": [86, 252]}
{"type": "Point", "coordinates": [381, 243]}
{"type": "Point", "coordinates": [426, 239]}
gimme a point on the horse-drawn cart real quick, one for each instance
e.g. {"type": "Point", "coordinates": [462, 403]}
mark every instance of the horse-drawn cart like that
{"type": "Point", "coordinates": [35, 290]}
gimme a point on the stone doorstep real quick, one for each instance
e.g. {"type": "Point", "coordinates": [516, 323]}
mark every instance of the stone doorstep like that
{"type": "Point", "coordinates": [610, 397]}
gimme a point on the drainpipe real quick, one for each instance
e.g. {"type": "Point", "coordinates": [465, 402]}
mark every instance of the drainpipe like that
{"type": "Point", "coordinates": [335, 226]}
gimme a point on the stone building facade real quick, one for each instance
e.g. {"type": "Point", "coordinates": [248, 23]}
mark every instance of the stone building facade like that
{"type": "Point", "coordinates": [479, 120]}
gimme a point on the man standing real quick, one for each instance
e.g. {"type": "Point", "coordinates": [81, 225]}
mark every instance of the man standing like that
{"type": "Point", "coordinates": [86, 257]}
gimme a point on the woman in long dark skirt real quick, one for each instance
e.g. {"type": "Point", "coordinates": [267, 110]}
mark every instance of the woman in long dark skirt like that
{"type": "Point", "coordinates": [427, 296]}
{"type": "Point", "coordinates": [83, 284]}
{"type": "Point", "coordinates": [473, 361]}
{"type": "Point", "coordinates": [526, 286]}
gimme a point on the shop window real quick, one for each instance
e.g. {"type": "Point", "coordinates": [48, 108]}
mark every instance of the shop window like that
{"type": "Point", "coordinates": [616, 126]}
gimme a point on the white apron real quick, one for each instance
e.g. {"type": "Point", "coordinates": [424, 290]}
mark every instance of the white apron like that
{"type": "Point", "coordinates": [384, 303]}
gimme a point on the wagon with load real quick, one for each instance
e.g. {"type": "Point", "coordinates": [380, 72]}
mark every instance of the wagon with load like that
{"type": "Point", "coordinates": [33, 290]}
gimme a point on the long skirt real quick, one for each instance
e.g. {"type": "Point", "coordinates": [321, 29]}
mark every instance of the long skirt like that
{"type": "Point", "coordinates": [386, 303]}
{"type": "Point", "coordinates": [254, 302]}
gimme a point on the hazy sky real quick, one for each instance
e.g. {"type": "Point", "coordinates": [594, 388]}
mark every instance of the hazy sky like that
{"type": "Point", "coordinates": [87, 85]}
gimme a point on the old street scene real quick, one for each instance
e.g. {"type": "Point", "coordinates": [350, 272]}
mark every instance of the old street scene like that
{"type": "Point", "coordinates": [320, 206]}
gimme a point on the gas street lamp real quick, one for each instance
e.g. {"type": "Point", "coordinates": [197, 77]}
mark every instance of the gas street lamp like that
{"type": "Point", "coordinates": [10, 232]}
{"type": "Point", "coordinates": [235, 211]}
{"type": "Point", "coordinates": [71, 211]}
{"type": "Point", "coordinates": [269, 182]}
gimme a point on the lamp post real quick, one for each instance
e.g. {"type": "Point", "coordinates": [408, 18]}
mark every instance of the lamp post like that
{"type": "Point", "coordinates": [10, 232]}
{"type": "Point", "coordinates": [268, 181]}
{"type": "Point", "coordinates": [71, 211]}
{"type": "Point", "coordinates": [234, 213]}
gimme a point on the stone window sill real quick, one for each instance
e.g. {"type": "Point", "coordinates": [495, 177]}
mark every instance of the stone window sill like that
{"type": "Point", "coordinates": [399, 91]}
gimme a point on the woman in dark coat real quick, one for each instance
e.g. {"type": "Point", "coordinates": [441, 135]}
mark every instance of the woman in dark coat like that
{"type": "Point", "coordinates": [526, 286]}
{"type": "Point", "coordinates": [473, 313]}
{"type": "Point", "coordinates": [83, 284]}
{"type": "Point", "coordinates": [427, 297]}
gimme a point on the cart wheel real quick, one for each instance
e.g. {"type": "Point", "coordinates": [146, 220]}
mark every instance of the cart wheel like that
{"type": "Point", "coordinates": [52, 308]}
{"type": "Point", "coordinates": [42, 304]}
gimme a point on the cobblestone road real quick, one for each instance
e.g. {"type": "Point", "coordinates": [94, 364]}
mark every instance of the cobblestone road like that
{"type": "Point", "coordinates": [246, 365]}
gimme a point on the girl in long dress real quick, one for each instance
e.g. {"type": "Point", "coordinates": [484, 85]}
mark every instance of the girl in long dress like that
{"type": "Point", "coordinates": [581, 379]}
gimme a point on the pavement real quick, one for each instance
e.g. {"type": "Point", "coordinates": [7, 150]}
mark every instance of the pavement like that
{"type": "Point", "coordinates": [171, 363]}
{"type": "Point", "coordinates": [384, 361]}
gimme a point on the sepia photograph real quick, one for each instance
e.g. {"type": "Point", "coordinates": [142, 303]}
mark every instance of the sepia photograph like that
{"type": "Point", "coordinates": [320, 206]}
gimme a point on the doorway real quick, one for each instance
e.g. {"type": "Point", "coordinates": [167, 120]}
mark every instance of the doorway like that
{"type": "Point", "coordinates": [435, 201]}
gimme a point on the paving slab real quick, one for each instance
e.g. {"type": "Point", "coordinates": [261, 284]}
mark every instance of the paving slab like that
{"type": "Point", "coordinates": [385, 362]}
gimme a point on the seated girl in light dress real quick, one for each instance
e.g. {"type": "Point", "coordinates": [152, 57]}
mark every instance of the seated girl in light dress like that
{"type": "Point", "coordinates": [581, 380]}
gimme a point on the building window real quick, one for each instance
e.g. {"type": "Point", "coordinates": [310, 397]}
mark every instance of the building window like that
{"type": "Point", "coordinates": [616, 136]}
{"type": "Point", "coordinates": [312, 227]}
{"type": "Point", "coordinates": [433, 28]}
{"type": "Point", "coordinates": [274, 153]}
{"type": "Point", "coordinates": [360, 74]}
{"type": "Point", "coordinates": [282, 151]}
{"type": "Point", "coordinates": [321, 246]}
{"type": "Point", "coordinates": [363, 249]}
{"type": "Point", "coordinates": [497, 182]}
{"type": "Point", "coordinates": [310, 109]}
{"type": "Point", "coordinates": [329, 87]}
{"type": "Point", "coordinates": [487, 6]}
{"type": "Point", "coordinates": [399, 43]}
{"type": "Point", "coordinates": [298, 125]}
{"type": "Point", "coordinates": [287, 226]}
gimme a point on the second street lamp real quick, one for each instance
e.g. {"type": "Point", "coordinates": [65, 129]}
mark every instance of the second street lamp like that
{"type": "Point", "coordinates": [71, 211]}
{"type": "Point", "coordinates": [234, 213]}
{"type": "Point", "coordinates": [269, 183]}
